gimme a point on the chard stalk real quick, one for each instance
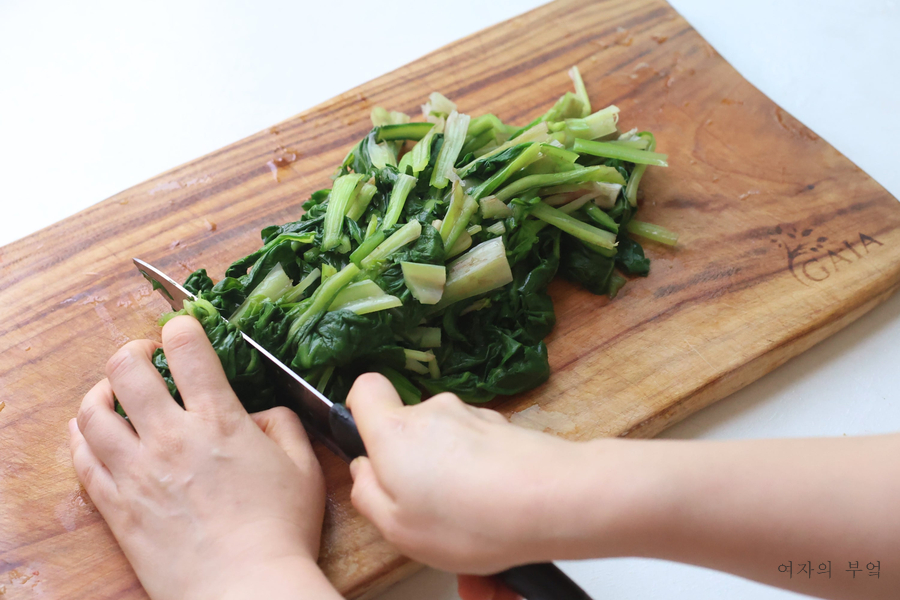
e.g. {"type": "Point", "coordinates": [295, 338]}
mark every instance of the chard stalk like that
{"type": "Point", "coordinates": [425, 282]}
{"type": "Point", "coordinates": [403, 131]}
{"type": "Point", "coordinates": [320, 300]}
{"type": "Point", "coordinates": [365, 306]}
{"type": "Point", "coordinates": [480, 270]}
{"type": "Point", "coordinates": [415, 366]}
{"type": "Point", "coordinates": [406, 234]}
{"type": "Point", "coordinates": [580, 91]}
{"type": "Point", "coordinates": [602, 219]}
{"type": "Point", "coordinates": [402, 188]}
{"type": "Point", "coordinates": [327, 271]}
{"type": "Point", "coordinates": [497, 228]}
{"type": "Point", "coordinates": [638, 172]}
{"type": "Point", "coordinates": [438, 105]}
{"type": "Point", "coordinates": [457, 201]}
{"type": "Point", "coordinates": [323, 381]}
{"type": "Point", "coordinates": [361, 203]}
{"type": "Point", "coordinates": [381, 155]}
{"type": "Point", "coordinates": [342, 194]}
{"type": "Point", "coordinates": [625, 153]}
{"type": "Point", "coordinates": [653, 232]}
{"type": "Point", "coordinates": [525, 158]}
{"type": "Point", "coordinates": [573, 226]}
{"type": "Point", "coordinates": [273, 286]}
{"type": "Point", "coordinates": [459, 226]}
{"type": "Point", "coordinates": [425, 337]}
{"type": "Point", "coordinates": [433, 370]}
{"type": "Point", "coordinates": [463, 243]}
{"type": "Point", "coordinates": [420, 155]}
{"type": "Point", "coordinates": [598, 173]}
{"type": "Point", "coordinates": [454, 137]}
{"type": "Point", "coordinates": [359, 290]}
{"type": "Point", "coordinates": [492, 208]}
{"type": "Point", "coordinates": [293, 294]}
{"type": "Point", "coordinates": [539, 133]}
{"type": "Point", "coordinates": [370, 243]}
{"type": "Point", "coordinates": [372, 227]}
{"type": "Point", "coordinates": [418, 355]}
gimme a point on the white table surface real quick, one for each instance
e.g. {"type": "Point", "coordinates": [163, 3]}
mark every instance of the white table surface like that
{"type": "Point", "coordinates": [97, 96]}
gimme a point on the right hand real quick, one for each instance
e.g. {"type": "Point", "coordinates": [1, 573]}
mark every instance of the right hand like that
{"type": "Point", "coordinates": [456, 487]}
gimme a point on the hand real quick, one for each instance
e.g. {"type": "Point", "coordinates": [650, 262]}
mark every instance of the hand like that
{"type": "Point", "coordinates": [206, 501]}
{"type": "Point", "coordinates": [454, 486]}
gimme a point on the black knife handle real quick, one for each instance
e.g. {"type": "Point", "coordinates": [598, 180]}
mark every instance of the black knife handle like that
{"type": "Point", "coordinates": [344, 431]}
{"type": "Point", "coordinates": [541, 581]}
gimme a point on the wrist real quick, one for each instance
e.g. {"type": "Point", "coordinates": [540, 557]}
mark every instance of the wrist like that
{"type": "Point", "coordinates": [285, 577]}
{"type": "Point", "coordinates": [604, 498]}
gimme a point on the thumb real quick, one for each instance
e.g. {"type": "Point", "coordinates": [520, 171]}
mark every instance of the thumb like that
{"type": "Point", "coordinates": [475, 587]}
{"type": "Point", "coordinates": [368, 497]}
{"type": "Point", "coordinates": [283, 427]}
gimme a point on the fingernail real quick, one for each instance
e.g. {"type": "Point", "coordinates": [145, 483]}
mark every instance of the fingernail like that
{"type": "Point", "coordinates": [354, 467]}
{"type": "Point", "coordinates": [72, 425]}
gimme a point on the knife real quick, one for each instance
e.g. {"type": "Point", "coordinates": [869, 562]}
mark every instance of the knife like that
{"type": "Point", "coordinates": [333, 425]}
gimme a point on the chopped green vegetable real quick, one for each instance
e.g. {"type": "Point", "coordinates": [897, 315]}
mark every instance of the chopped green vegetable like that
{"type": "Point", "coordinates": [425, 282]}
{"type": "Point", "coordinates": [425, 337]}
{"type": "Point", "coordinates": [454, 137]}
{"type": "Point", "coordinates": [342, 195]}
{"type": "Point", "coordinates": [652, 232]}
{"type": "Point", "coordinates": [406, 234]}
{"type": "Point", "coordinates": [432, 266]}
{"type": "Point", "coordinates": [402, 188]}
{"type": "Point", "coordinates": [619, 152]}
{"type": "Point", "coordinates": [493, 208]}
{"type": "Point", "coordinates": [480, 270]}
{"type": "Point", "coordinates": [573, 226]}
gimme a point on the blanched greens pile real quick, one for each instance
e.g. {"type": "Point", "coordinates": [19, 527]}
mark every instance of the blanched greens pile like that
{"type": "Point", "coordinates": [429, 257]}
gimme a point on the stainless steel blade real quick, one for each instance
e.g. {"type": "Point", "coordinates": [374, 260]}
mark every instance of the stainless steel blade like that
{"type": "Point", "coordinates": [293, 391]}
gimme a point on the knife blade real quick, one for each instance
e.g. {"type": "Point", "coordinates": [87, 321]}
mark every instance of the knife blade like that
{"type": "Point", "coordinates": [334, 426]}
{"type": "Point", "coordinates": [330, 423]}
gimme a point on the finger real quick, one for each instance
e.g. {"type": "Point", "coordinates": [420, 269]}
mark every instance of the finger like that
{"type": "Point", "coordinates": [475, 587]}
{"type": "Point", "coordinates": [371, 399]}
{"type": "Point", "coordinates": [284, 428]}
{"type": "Point", "coordinates": [140, 388]}
{"type": "Point", "coordinates": [197, 369]}
{"type": "Point", "coordinates": [93, 475]}
{"type": "Point", "coordinates": [110, 437]}
{"type": "Point", "coordinates": [488, 414]}
{"type": "Point", "coordinates": [369, 498]}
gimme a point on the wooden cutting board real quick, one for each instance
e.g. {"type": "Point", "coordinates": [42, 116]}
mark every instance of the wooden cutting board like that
{"type": "Point", "coordinates": [783, 242]}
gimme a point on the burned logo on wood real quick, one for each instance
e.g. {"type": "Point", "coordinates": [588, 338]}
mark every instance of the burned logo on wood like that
{"type": "Point", "coordinates": [813, 258]}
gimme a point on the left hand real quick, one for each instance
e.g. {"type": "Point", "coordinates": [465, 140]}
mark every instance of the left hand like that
{"type": "Point", "coordinates": [206, 502]}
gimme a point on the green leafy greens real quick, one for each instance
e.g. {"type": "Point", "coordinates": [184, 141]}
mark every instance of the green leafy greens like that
{"type": "Point", "coordinates": [428, 259]}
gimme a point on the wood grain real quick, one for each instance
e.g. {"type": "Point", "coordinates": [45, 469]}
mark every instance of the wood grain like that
{"type": "Point", "coordinates": [783, 242]}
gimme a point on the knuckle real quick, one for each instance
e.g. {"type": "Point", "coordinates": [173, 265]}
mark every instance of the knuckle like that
{"type": "Point", "coordinates": [228, 424]}
{"type": "Point", "coordinates": [179, 337]}
{"type": "Point", "coordinates": [284, 414]}
{"type": "Point", "coordinates": [86, 473]}
{"type": "Point", "coordinates": [369, 379]}
{"type": "Point", "coordinates": [493, 415]}
{"type": "Point", "coordinates": [169, 444]}
{"type": "Point", "coordinates": [120, 362]}
{"type": "Point", "coordinates": [445, 401]}
{"type": "Point", "coordinates": [87, 416]}
{"type": "Point", "coordinates": [126, 357]}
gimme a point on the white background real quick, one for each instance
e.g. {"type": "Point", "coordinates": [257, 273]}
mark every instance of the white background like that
{"type": "Point", "coordinates": [98, 96]}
